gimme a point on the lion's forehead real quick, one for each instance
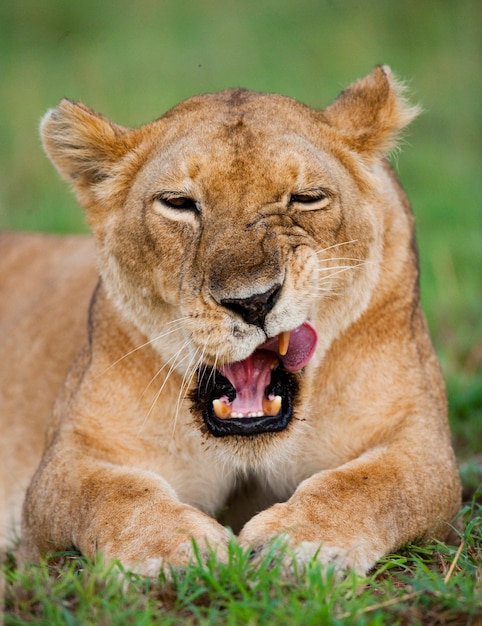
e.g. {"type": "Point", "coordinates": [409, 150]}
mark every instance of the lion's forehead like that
{"type": "Point", "coordinates": [231, 105]}
{"type": "Point", "coordinates": [240, 122]}
{"type": "Point", "coordinates": [244, 160]}
{"type": "Point", "coordinates": [240, 145]}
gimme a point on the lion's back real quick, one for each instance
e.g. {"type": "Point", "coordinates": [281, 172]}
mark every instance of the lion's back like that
{"type": "Point", "coordinates": [45, 286]}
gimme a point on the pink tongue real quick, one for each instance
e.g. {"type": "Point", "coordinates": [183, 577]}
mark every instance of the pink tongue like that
{"type": "Point", "coordinates": [303, 342]}
{"type": "Point", "coordinates": [251, 377]}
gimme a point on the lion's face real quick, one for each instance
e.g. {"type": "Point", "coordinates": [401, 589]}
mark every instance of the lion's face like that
{"type": "Point", "coordinates": [246, 231]}
{"type": "Point", "coordinates": [241, 233]}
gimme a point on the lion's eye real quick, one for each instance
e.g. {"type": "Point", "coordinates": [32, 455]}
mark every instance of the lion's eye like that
{"type": "Point", "coordinates": [311, 199]}
{"type": "Point", "coordinates": [177, 202]}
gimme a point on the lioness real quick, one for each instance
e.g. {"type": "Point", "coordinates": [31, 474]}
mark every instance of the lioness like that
{"type": "Point", "coordinates": [254, 354]}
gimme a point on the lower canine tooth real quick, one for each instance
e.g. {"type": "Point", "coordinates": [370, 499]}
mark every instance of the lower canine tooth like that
{"type": "Point", "coordinates": [272, 407]}
{"type": "Point", "coordinates": [221, 410]}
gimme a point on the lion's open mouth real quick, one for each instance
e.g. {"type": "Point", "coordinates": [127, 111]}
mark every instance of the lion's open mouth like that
{"type": "Point", "coordinates": [255, 395]}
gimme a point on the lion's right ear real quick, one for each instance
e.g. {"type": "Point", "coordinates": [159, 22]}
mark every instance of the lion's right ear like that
{"type": "Point", "coordinates": [84, 146]}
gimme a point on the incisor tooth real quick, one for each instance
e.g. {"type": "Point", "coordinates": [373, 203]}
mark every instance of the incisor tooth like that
{"type": "Point", "coordinates": [283, 342]}
{"type": "Point", "coordinates": [272, 407]}
{"type": "Point", "coordinates": [221, 409]}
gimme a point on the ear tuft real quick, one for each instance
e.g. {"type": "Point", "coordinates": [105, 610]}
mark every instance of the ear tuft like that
{"type": "Point", "coordinates": [371, 112]}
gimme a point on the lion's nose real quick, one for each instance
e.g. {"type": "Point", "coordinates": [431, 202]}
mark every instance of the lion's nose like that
{"type": "Point", "coordinates": [255, 308]}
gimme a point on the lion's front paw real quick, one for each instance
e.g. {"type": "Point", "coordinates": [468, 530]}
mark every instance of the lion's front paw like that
{"type": "Point", "coordinates": [304, 541]}
{"type": "Point", "coordinates": [191, 536]}
{"type": "Point", "coordinates": [343, 559]}
{"type": "Point", "coordinates": [185, 553]}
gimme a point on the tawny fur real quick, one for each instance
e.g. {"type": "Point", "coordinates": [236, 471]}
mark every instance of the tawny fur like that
{"type": "Point", "coordinates": [93, 397]}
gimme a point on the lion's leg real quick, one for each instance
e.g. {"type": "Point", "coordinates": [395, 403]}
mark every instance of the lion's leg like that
{"type": "Point", "coordinates": [353, 515]}
{"type": "Point", "coordinates": [123, 513]}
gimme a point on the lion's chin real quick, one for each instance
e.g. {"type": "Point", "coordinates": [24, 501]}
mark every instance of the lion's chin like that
{"type": "Point", "coordinates": [213, 388]}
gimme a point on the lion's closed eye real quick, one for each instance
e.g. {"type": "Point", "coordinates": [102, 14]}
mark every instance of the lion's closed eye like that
{"type": "Point", "coordinates": [311, 199]}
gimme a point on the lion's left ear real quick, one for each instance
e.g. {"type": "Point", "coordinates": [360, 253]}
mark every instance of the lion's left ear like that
{"type": "Point", "coordinates": [371, 112]}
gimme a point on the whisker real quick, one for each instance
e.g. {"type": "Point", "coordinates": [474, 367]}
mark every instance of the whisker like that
{"type": "Point", "coordinates": [165, 333]}
{"type": "Point", "coordinates": [186, 383]}
{"type": "Point", "coordinates": [346, 258]}
{"type": "Point", "coordinates": [174, 361]}
{"type": "Point", "coordinates": [214, 369]}
{"type": "Point", "coordinates": [336, 267]}
{"type": "Point", "coordinates": [159, 372]}
{"type": "Point", "coordinates": [337, 245]}
{"type": "Point", "coordinates": [339, 271]}
{"type": "Point", "coordinates": [324, 289]}
{"type": "Point", "coordinates": [188, 376]}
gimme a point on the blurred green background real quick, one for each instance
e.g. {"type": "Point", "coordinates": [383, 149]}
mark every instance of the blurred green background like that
{"type": "Point", "coordinates": [133, 60]}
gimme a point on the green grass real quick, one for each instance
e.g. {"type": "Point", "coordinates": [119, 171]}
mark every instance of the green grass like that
{"type": "Point", "coordinates": [422, 584]}
{"type": "Point", "coordinates": [134, 60]}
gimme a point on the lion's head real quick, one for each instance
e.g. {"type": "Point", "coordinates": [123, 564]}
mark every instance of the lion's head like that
{"type": "Point", "coordinates": [241, 232]}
